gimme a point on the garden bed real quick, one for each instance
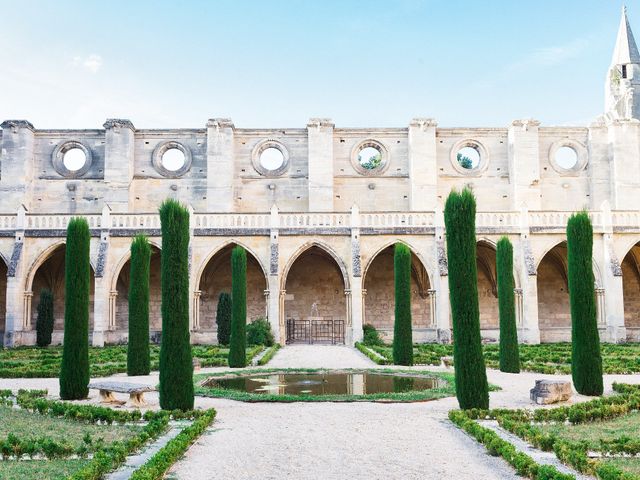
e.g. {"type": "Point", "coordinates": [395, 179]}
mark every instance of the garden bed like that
{"type": "Point", "coordinates": [35, 362]}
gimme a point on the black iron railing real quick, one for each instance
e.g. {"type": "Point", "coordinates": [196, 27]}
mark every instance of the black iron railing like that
{"type": "Point", "coordinates": [315, 331]}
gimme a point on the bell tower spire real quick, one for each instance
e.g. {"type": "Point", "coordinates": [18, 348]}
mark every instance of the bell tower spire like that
{"type": "Point", "coordinates": [623, 77]}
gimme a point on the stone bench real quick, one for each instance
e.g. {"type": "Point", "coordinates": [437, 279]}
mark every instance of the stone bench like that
{"type": "Point", "coordinates": [136, 392]}
{"type": "Point", "coordinates": [550, 391]}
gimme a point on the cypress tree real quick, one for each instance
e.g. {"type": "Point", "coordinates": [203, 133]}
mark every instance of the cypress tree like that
{"type": "Point", "coordinates": [238, 340]}
{"type": "Point", "coordinates": [402, 335]}
{"type": "Point", "coordinates": [223, 318]}
{"type": "Point", "coordinates": [471, 376]}
{"type": "Point", "coordinates": [586, 362]}
{"type": "Point", "coordinates": [44, 323]}
{"type": "Point", "coordinates": [138, 361]}
{"type": "Point", "coordinates": [509, 353]}
{"type": "Point", "coordinates": [74, 372]}
{"type": "Point", "coordinates": [176, 363]}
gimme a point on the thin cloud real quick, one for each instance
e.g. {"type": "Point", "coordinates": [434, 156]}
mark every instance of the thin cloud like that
{"type": "Point", "coordinates": [92, 63]}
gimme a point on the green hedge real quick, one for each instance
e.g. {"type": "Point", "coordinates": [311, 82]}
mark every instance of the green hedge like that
{"type": "Point", "coordinates": [44, 323]}
{"type": "Point", "coordinates": [74, 371]}
{"type": "Point", "coordinates": [266, 358]}
{"type": "Point", "coordinates": [472, 388]}
{"type": "Point", "coordinates": [176, 363]}
{"type": "Point", "coordinates": [238, 339]}
{"type": "Point", "coordinates": [402, 331]}
{"type": "Point", "coordinates": [509, 354]}
{"type": "Point", "coordinates": [586, 360]}
{"type": "Point", "coordinates": [138, 357]}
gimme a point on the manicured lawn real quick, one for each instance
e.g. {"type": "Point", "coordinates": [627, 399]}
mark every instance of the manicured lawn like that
{"type": "Point", "coordinates": [545, 358]}
{"type": "Point", "coordinates": [593, 432]}
{"type": "Point", "coordinates": [40, 469]}
{"type": "Point", "coordinates": [25, 425]}
{"type": "Point", "coordinates": [630, 465]}
{"type": "Point", "coordinates": [33, 362]}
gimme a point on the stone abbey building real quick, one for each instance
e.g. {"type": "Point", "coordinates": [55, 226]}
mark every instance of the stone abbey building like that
{"type": "Point", "coordinates": [318, 210]}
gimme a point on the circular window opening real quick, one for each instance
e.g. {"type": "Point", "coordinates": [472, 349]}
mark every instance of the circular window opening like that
{"type": "Point", "coordinates": [566, 157]}
{"type": "Point", "coordinates": [74, 159]}
{"type": "Point", "coordinates": [370, 157]}
{"type": "Point", "coordinates": [468, 157]}
{"type": "Point", "coordinates": [173, 159]}
{"type": "Point", "coordinates": [271, 158]}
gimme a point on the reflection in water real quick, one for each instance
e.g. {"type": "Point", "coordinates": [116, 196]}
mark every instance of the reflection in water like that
{"type": "Point", "coordinates": [325, 383]}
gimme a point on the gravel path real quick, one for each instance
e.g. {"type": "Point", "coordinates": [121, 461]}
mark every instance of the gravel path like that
{"type": "Point", "coordinates": [319, 356]}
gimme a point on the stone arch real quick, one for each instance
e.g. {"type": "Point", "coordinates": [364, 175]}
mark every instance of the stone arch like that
{"type": "Point", "coordinates": [214, 252]}
{"type": "Point", "coordinates": [119, 296]}
{"type": "Point", "coordinates": [214, 278]}
{"type": "Point", "coordinates": [630, 266]}
{"type": "Point", "coordinates": [315, 287]}
{"type": "Point", "coordinates": [378, 287]}
{"type": "Point", "coordinates": [47, 271]}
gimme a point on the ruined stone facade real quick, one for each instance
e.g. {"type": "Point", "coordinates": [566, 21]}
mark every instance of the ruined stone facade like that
{"type": "Point", "coordinates": [318, 213]}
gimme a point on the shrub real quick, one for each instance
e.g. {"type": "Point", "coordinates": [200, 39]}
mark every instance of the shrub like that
{"type": "Point", "coordinates": [176, 364]}
{"type": "Point", "coordinates": [74, 371]}
{"type": "Point", "coordinates": [44, 323]}
{"type": "Point", "coordinates": [586, 361]}
{"type": "Point", "coordinates": [259, 333]}
{"type": "Point", "coordinates": [402, 334]}
{"type": "Point", "coordinates": [371, 337]}
{"type": "Point", "coordinates": [238, 338]}
{"type": "Point", "coordinates": [509, 354]}
{"type": "Point", "coordinates": [223, 318]}
{"type": "Point", "coordinates": [472, 388]}
{"type": "Point", "coordinates": [138, 358]}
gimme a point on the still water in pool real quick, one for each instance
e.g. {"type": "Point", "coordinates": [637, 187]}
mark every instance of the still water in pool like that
{"type": "Point", "coordinates": [325, 383]}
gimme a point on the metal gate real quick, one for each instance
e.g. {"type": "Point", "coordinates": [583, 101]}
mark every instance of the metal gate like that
{"type": "Point", "coordinates": [315, 331]}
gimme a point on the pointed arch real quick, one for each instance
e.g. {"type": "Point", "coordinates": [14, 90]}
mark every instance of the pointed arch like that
{"type": "Point", "coordinates": [123, 261]}
{"type": "Point", "coordinates": [220, 248]}
{"type": "Point", "coordinates": [630, 267]}
{"type": "Point", "coordinates": [327, 250]}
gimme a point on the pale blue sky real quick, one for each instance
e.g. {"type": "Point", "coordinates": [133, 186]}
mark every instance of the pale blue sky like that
{"type": "Point", "coordinates": [276, 63]}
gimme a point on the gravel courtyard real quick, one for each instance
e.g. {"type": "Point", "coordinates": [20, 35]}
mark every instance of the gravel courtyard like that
{"type": "Point", "coordinates": [338, 440]}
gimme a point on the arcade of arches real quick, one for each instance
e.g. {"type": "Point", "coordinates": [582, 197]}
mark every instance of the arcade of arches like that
{"type": "Point", "coordinates": [316, 284]}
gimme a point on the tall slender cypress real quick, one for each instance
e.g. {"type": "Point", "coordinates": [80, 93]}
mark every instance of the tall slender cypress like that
{"type": "Point", "coordinates": [176, 363]}
{"type": "Point", "coordinates": [223, 318]}
{"type": "Point", "coordinates": [402, 335]}
{"type": "Point", "coordinates": [138, 361]}
{"type": "Point", "coordinates": [586, 361]}
{"type": "Point", "coordinates": [509, 352]}
{"type": "Point", "coordinates": [472, 388]}
{"type": "Point", "coordinates": [74, 372]}
{"type": "Point", "coordinates": [44, 323]}
{"type": "Point", "coordinates": [238, 340]}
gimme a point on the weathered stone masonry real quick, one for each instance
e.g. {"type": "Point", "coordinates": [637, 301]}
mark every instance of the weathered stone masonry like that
{"type": "Point", "coordinates": [319, 223]}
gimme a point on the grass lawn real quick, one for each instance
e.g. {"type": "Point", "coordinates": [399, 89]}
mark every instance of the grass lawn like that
{"type": "Point", "coordinates": [39, 469]}
{"type": "Point", "coordinates": [34, 362]}
{"type": "Point", "coordinates": [545, 358]}
{"type": "Point", "coordinates": [631, 465]}
{"type": "Point", "coordinates": [25, 425]}
{"type": "Point", "coordinates": [592, 432]}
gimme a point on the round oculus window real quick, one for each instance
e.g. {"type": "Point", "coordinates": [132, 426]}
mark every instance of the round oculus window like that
{"type": "Point", "coordinates": [173, 159]}
{"type": "Point", "coordinates": [370, 157]}
{"type": "Point", "coordinates": [271, 158]}
{"type": "Point", "coordinates": [566, 157]}
{"type": "Point", "coordinates": [74, 159]}
{"type": "Point", "coordinates": [468, 157]}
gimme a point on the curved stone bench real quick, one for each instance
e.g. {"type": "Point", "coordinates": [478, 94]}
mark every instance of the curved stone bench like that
{"type": "Point", "coordinates": [136, 392]}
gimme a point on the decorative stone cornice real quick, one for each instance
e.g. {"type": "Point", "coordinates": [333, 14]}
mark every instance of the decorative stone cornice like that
{"type": "Point", "coordinates": [320, 122]}
{"type": "Point", "coordinates": [526, 123]}
{"type": "Point", "coordinates": [119, 123]}
{"type": "Point", "coordinates": [16, 124]}
{"type": "Point", "coordinates": [220, 123]}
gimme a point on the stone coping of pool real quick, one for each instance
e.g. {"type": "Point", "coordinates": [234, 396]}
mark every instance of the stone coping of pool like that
{"type": "Point", "coordinates": [446, 390]}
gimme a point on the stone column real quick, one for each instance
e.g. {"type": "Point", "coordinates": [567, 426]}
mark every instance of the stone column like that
{"type": "Point", "coordinates": [525, 271]}
{"type": "Point", "coordinates": [356, 296]}
{"type": "Point", "coordinates": [275, 303]}
{"type": "Point", "coordinates": [441, 281]}
{"type": "Point", "coordinates": [220, 160]}
{"type": "Point", "coordinates": [423, 167]}
{"type": "Point", "coordinates": [102, 313]}
{"type": "Point", "coordinates": [320, 137]}
{"type": "Point", "coordinates": [433, 310]}
{"type": "Point", "coordinates": [349, 330]}
{"type": "Point", "coordinates": [16, 275]}
{"type": "Point", "coordinates": [610, 301]}
{"type": "Point", "coordinates": [119, 151]}
{"type": "Point", "coordinates": [196, 309]}
{"type": "Point", "coordinates": [113, 299]}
